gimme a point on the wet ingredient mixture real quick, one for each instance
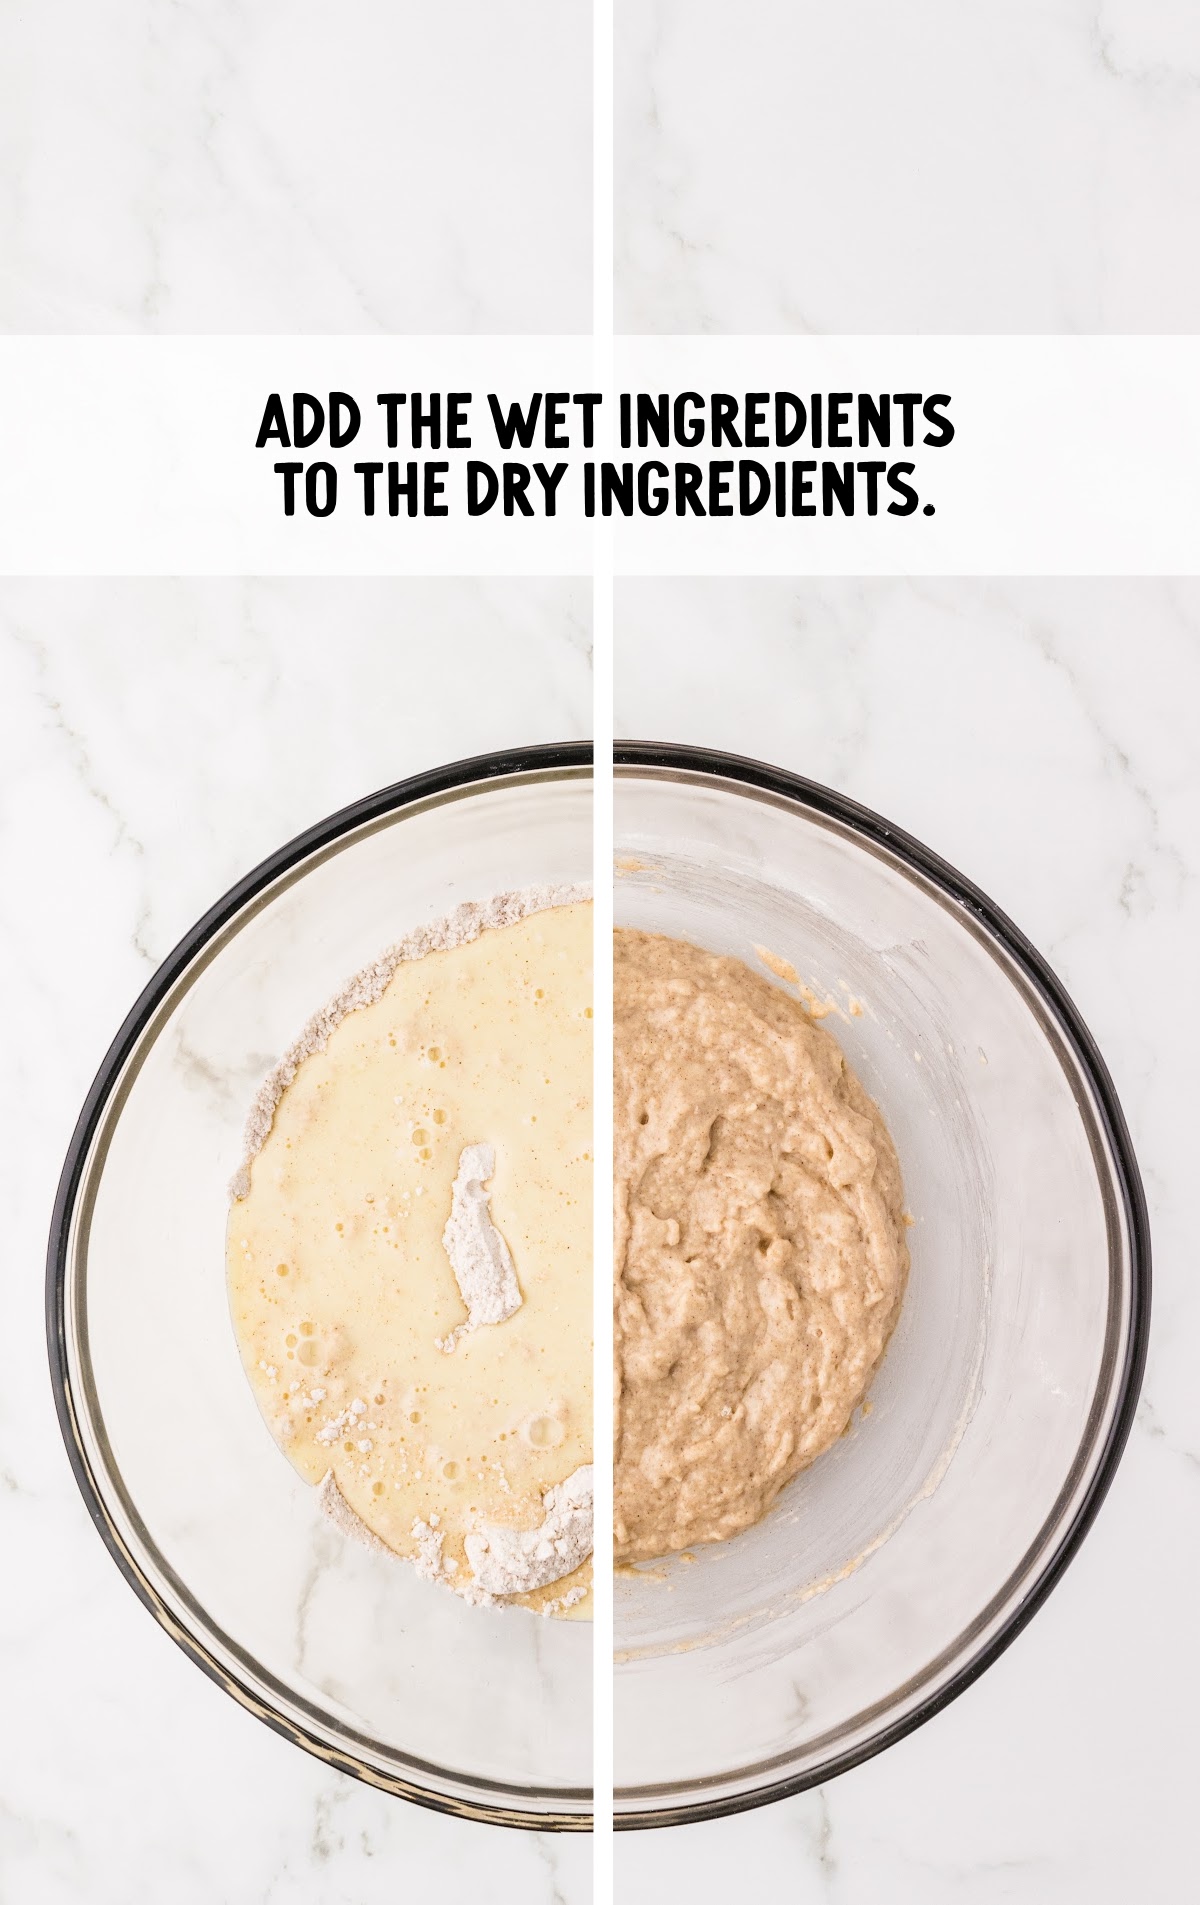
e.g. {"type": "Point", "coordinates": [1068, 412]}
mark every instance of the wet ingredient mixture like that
{"type": "Point", "coordinates": [760, 1255]}
{"type": "Point", "coordinates": [409, 1253]}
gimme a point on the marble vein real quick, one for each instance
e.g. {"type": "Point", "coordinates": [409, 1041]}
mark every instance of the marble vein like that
{"type": "Point", "coordinates": [156, 739]}
{"type": "Point", "coordinates": [209, 166]}
{"type": "Point", "coordinates": [929, 169]}
{"type": "Point", "coordinates": [1041, 735]}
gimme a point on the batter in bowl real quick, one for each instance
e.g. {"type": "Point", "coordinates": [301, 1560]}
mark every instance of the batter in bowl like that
{"type": "Point", "coordinates": [759, 1237]}
{"type": "Point", "coordinates": [409, 1252]}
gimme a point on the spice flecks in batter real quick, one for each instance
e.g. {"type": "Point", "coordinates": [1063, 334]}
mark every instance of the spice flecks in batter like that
{"type": "Point", "coordinates": [760, 1246]}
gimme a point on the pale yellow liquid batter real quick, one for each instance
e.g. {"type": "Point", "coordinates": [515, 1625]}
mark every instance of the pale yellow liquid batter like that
{"type": "Point", "coordinates": [339, 1282]}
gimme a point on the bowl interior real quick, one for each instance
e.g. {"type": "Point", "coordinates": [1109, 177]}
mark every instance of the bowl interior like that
{"type": "Point", "coordinates": [475, 1706]}
{"type": "Point", "coordinates": [891, 1563]}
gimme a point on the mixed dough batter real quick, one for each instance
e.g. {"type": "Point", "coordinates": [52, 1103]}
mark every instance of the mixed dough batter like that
{"type": "Point", "coordinates": [409, 1252]}
{"type": "Point", "coordinates": [760, 1255]}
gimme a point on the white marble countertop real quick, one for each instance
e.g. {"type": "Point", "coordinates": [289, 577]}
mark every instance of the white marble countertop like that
{"type": "Point", "coordinates": [1041, 737]}
{"type": "Point", "coordinates": [157, 740]}
{"type": "Point", "coordinates": [863, 168]}
{"type": "Point", "coordinates": [382, 166]}
{"type": "Point", "coordinates": [787, 165]}
{"type": "Point", "coordinates": [1037, 734]}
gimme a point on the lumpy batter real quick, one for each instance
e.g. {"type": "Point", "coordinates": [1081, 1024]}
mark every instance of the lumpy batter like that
{"type": "Point", "coordinates": [410, 1256]}
{"type": "Point", "coordinates": [760, 1258]}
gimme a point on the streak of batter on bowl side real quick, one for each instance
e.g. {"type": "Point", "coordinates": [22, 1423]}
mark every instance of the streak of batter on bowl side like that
{"type": "Point", "coordinates": [790, 1598]}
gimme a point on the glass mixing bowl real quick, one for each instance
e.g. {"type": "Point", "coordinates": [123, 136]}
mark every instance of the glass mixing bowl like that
{"type": "Point", "coordinates": [893, 1571]}
{"type": "Point", "coordinates": [481, 1712]}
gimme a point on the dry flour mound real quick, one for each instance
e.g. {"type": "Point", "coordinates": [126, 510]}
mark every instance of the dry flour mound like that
{"type": "Point", "coordinates": [479, 1256]}
{"type": "Point", "coordinates": [458, 928]}
{"type": "Point", "coordinates": [504, 1561]}
{"type": "Point", "coordinates": [518, 1560]}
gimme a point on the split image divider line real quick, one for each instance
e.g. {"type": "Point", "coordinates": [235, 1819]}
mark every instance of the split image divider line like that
{"type": "Point", "coordinates": [603, 293]}
{"type": "Point", "coordinates": [602, 1181]}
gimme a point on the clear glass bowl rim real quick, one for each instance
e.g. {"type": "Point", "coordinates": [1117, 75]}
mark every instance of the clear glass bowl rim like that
{"type": "Point", "coordinates": [742, 775]}
{"type": "Point", "coordinates": [496, 1804]}
{"type": "Point", "coordinates": [631, 758]}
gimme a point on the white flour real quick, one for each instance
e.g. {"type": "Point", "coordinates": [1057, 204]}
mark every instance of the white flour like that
{"type": "Point", "coordinates": [458, 928]}
{"type": "Point", "coordinates": [518, 1560]}
{"type": "Point", "coordinates": [334, 1504]}
{"type": "Point", "coordinates": [479, 1256]}
{"type": "Point", "coordinates": [432, 1565]}
{"type": "Point", "coordinates": [503, 1560]}
{"type": "Point", "coordinates": [428, 1561]}
{"type": "Point", "coordinates": [571, 1598]}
